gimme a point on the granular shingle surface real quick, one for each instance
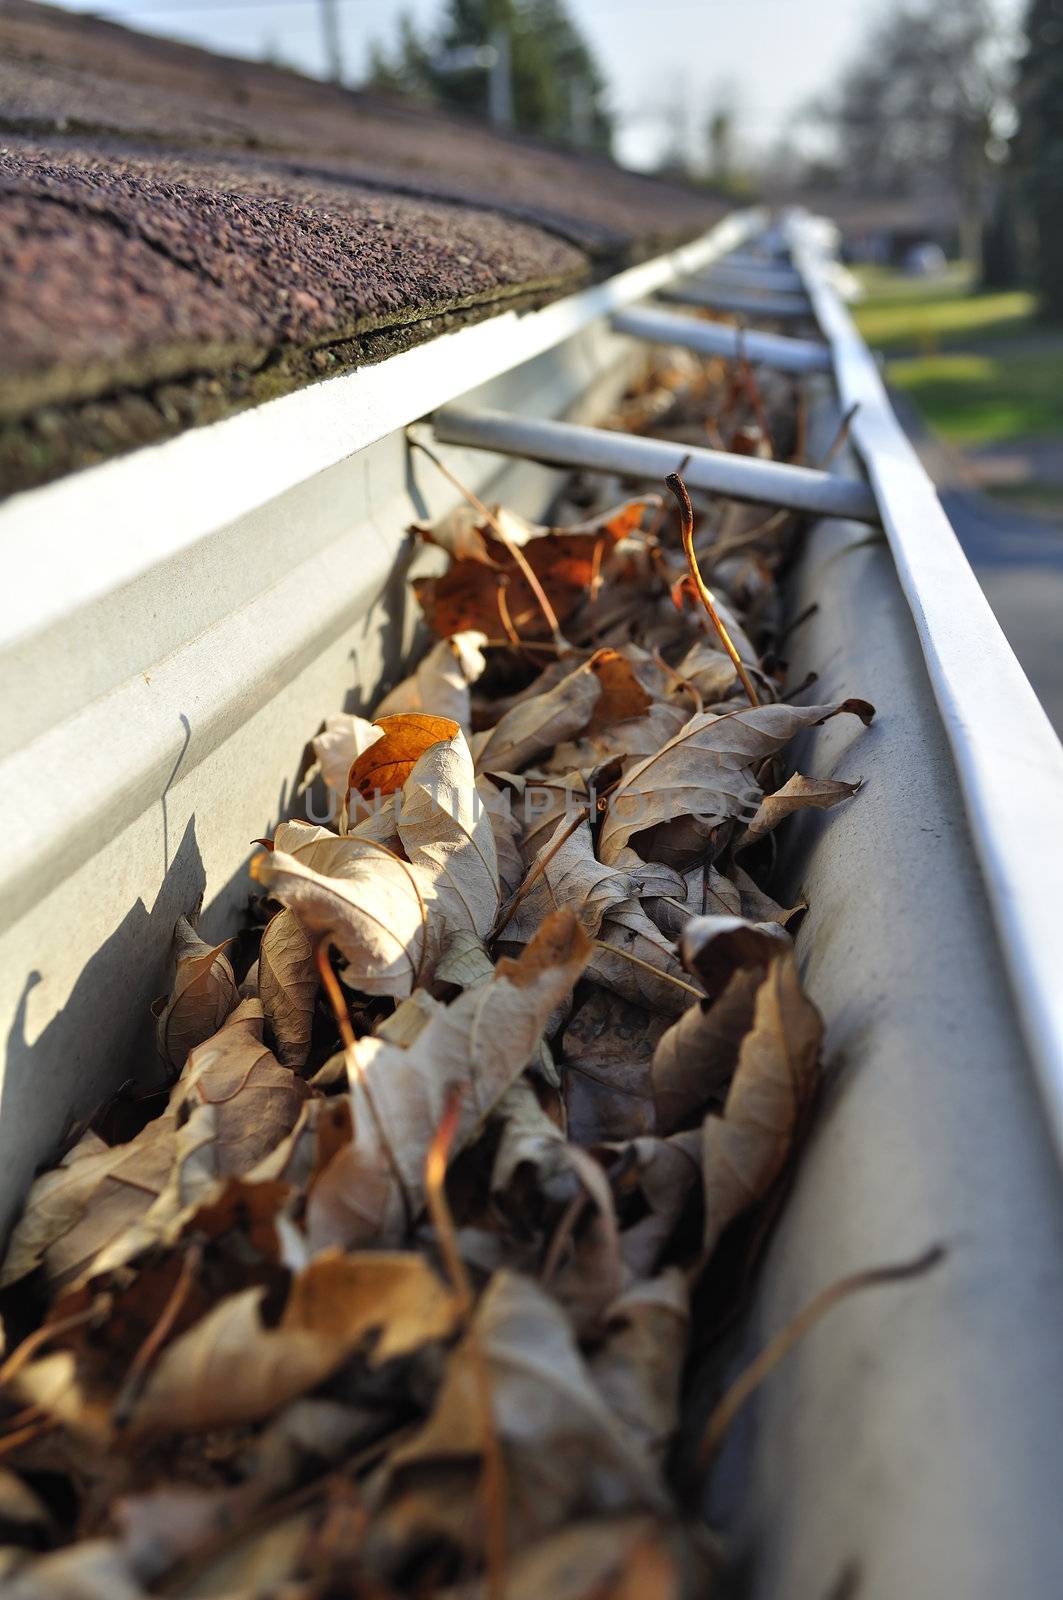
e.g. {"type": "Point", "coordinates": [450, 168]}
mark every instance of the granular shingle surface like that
{"type": "Point", "coordinates": [182, 234]}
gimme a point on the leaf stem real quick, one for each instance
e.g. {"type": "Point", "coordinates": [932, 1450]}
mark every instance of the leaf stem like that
{"type": "Point", "coordinates": [686, 513]}
{"type": "Point", "coordinates": [735, 1396]}
{"type": "Point", "coordinates": [648, 966]}
{"type": "Point", "coordinates": [538, 867]}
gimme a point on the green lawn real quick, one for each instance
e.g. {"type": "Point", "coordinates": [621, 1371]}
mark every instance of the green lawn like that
{"type": "Point", "coordinates": [979, 367]}
{"type": "Point", "coordinates": [973, 399]}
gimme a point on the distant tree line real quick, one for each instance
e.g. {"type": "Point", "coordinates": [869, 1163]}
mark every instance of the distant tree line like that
{"type": "Point", "coordinates": [557, 88]}
{"type": "Point", "coordinates": [935, 104]}
{"type": "Point", "coordinates": [1038, 148]}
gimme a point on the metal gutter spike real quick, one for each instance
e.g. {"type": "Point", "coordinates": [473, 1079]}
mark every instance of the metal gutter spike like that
{"type": "Point", "coordinates": [725, 274]}
{"type": "Point", "coordinates": [772, 306]}
{"type": "Point", "coordinates": [631, 456]}
{"type": "Point", "coordinates": [1009, 761]}
{"type": "Point", "coordinates": [776, 350]}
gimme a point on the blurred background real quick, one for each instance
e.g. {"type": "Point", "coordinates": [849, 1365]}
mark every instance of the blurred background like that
{"type": "Point", "coordinates": [931, 132]}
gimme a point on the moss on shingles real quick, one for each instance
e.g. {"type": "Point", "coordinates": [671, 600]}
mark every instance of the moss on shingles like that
{"type": "Point", "coordinates": [56, 439]}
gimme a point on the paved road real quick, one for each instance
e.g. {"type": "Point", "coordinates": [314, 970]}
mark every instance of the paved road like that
{"type": "Point", "coordinates": [1019, 562]}
{"type": "Point", "coordinates": [1018, 559]}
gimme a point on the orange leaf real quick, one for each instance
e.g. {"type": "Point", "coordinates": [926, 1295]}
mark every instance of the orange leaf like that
{"type": "Point", "coordinates": [622, 694]}
{"type": "Point", "coordinates": [387, 763]}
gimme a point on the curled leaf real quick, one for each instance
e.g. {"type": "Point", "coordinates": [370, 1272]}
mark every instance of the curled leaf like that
{"type": "Point", "coordinates": [204, 992]}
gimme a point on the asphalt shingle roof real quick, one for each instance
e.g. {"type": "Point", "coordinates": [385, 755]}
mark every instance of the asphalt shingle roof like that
{"type": "Point", "coordinates": [182, 234]}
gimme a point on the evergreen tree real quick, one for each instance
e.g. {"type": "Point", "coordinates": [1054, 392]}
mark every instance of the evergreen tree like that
{"type": "Point", "coordinates": [1038, 147]}
{"type": "Point", "coordinates": [557, 88]}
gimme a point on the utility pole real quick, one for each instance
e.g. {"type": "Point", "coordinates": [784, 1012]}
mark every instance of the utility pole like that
{"type": "Point", "coordinates": [500, 80]}
{"type": "Point", "coordinates": [496, 60]}
{"type": "Point", "coordinates": [330, 32]}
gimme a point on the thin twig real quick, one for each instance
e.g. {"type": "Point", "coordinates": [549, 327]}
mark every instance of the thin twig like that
{"type": "Point", "coordinates": [435, 1178]}
{"type": "Point", "coordinates": [680, 682]}
{"type": "Point", "coordinates": [735, 1396]}
{"type": "Point", "coordinates": [14, 1441]}
{"type": "Point", "coordinates": [648, 966]}
{"type": "Point", "coordinates": [355, 1071]}
{"type": "Point", "coordinates": [506, 620]}
{"type": "Point", "coordinates": [686, 513]}
{"type": "Point", "coordinates": [33, 1341]}
{"type": "Point", "coordinates": [141, 1362]}
{"type": "Point", "coordinates": [842, 434]}
{"type": "Point", "coordinates": [536, 872]}
{"type": "Point", "coordinates": [493, 1482]}
{"type": "Point", "coordinates": [562, 1234]}
{"type": "Point", "coordinates": [514, 551]}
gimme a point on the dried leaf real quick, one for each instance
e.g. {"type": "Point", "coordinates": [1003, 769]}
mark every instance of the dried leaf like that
{"type": "Point", "coordinates": [446, 833]}
{"type": "Point", "coordinates": [371, 907]}
{"type": "Point", "coordinates": [608, 1048]}
{"type": "Point", "coordinates": [480, 1043]}
{"type": "Point", "coordinates": [440, 684]}
{"type": "Point", "coordinates": [562, 1446]}
{"type": "Point", "coordinates": [73, 1212]}
{"type": "Point", "coordinates": [344, 738]}
{"type": "Point", "coordinates": [388, 762]}
{"type": "Point", "coordinates": [635, 1369]}
{"type": "Point", "coordinates": [695, 1060]}
{"type": "Point", "coordinates": [567, 875]}
{"type": "Point", "coordinates": [715, 947]}
{"type": "Point", "coordinates": [234, 1366]}
{"type": "Point", "coordinates": [746, 1147]}
{"type": "Point", "coordinates": [466, 596]}
{"type": "Point", "coordinates": [704, 771]}
{"type": "Point", "coordinates": [287, 986]}
{"type": "Point", "coordinates": [536, 725]}
{"type": "Point", "coordinates": [627, 933]}
{"type": "Point", "coordinates": [796, 793]}
{"type": "Point", "coordinates": [204, 992]}
{"type": "Point", "coordinates": [256, 1100]}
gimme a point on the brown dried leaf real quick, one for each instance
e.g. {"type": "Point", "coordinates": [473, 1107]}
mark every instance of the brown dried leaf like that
{"type": "Point", "coordinates": [608, 1047]}
{"type": "Point", "coordinates": [538, 724]}
{"type": "Point", "coordinates": [714, 947]}
{"type": "Point", "coordinates": [256, 1101]}
{"type": "Point", "coordinates": [234, 1367]}
{"type": "Point", "coordinates": [562, 1447]}
{"type": "Point", "coordinates": [440, 684]}
{"type": "Point", "coordinates": [204, 992]}
{"type": "Point", "coordinates": [608, 1558]}
{"type": "Point", "coordinates": [635, 1369]}
{"type": "Point", "coordinates": [796, 793]}
{"type": "Point", "coordinates": [704, 771]}
{"type": "Point", "coordinates": [99, 1191]}
{"type": "Point", "coordinates": [480, 1043]}
{"type": "Point", "coordinates": [623, 695]}
{"type": "Point", "coordinates": [466, 596]}
{"type": "Point", "coordinates": [287, 986]}
{"type": "Point", "coordinates": [367, 902]}
{"type": "Point", "coordinates": [695, 1060]}
{"type": "Point", "coordinates": [745, 1148]}
{"type": "Point", "coordinates": [627, 931]}
{"type": "Point", "coordinates": [567, 875]}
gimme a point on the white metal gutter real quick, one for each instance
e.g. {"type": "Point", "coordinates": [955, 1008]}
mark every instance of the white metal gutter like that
{"type": "Point", "coordinates": [1008, 758]}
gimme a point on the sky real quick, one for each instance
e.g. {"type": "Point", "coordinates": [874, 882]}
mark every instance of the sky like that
{"type": "Point", "coordinates": [668, 62]}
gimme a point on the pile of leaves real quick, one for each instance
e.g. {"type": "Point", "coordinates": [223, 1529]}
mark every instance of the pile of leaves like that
{"type": "Point", "coordinates": [392, 1294]}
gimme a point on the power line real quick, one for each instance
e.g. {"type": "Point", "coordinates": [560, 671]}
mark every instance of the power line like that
{"type": "Point", "coordinates": [167, 7]}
